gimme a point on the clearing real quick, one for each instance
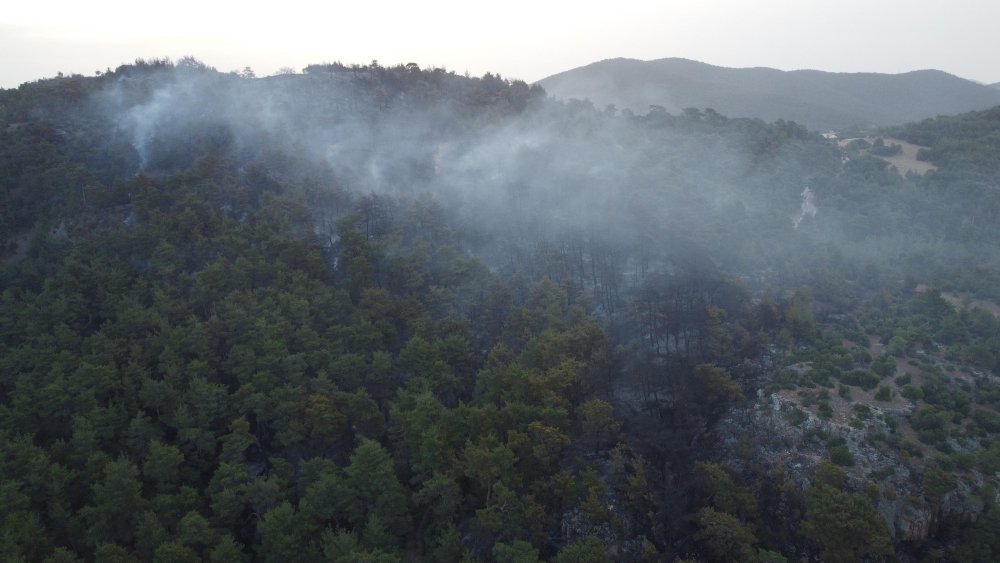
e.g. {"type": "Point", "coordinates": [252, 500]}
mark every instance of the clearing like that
{"type": "Point", "coordinates": [906, 161]}
{"type": "Point", "coordinates": [964, 301]}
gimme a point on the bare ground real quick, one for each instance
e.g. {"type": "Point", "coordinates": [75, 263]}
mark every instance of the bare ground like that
{"type": "Point", "coordinates": [904, 162]}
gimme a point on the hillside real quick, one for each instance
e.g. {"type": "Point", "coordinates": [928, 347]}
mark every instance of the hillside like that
{"type": "Point", "coordinates": [393, 314]}
{"type": "Point", "coordinates": [819, 100]}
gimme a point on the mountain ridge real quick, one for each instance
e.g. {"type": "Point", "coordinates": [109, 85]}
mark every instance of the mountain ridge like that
{"type": "Point", "coordinates": [817, 99]}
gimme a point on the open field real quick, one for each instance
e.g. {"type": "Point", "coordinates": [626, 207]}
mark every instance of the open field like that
{"type": "Point", "coordinates": [904, 162]}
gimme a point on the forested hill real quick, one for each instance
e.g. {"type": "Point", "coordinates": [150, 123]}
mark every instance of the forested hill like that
{"type": "Point", "coordinates": [370, 313]}
{"type": "Point", "coordinates": [966, 145]}
{"type": "Point", "coordinates": [819, 100]}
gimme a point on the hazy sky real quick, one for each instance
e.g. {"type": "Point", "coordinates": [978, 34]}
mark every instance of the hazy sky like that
{"type": "Point", "coordinates": [517, 38]}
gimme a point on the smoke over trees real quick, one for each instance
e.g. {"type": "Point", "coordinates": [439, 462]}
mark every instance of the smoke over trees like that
{"type": "Point", "coordinates": [371, 312]}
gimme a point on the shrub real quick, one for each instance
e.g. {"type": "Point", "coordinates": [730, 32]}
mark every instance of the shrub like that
{"type": "Point", "coordinates": [912, 392]}
{"type": "Point", "coordinates": [883, 394]}
{"type": "Point", "coordinates": [929, 418]}
{"type": "Point", "coordinates": [795, 416]}
{"type": "Point", "coordinates": [861, 378]}
{"type": "Point", "coordinates": [884, 366]}
{"type": "Point", "coordinates": [841, 455]}
{"type": "Point", "coordinates": [988, 460]}
{"type": "Point", "coordinates": [912, 449]}
{"type": "Point", "coordinates": [963, 460]}
{"type": "Point", "coordinates": [931, 437]}
{"type": "Point", "coordinates": [945, 463]}
{"type": "Point", "coordinates": [987, 420]}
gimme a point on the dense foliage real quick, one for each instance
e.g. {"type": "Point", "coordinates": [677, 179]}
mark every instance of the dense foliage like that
{"type": "Point", "coordinates": [384, 313]}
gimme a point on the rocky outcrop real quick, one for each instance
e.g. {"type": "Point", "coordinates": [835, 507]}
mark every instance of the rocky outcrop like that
{"type": "Point", "coordinates": [775, 430]}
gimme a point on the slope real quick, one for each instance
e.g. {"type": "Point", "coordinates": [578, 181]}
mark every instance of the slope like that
{"type": "Point", "coordinates": [819, 100]}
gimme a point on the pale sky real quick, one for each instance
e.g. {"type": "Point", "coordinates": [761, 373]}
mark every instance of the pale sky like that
{"type": "Point", "coordinates": [516, 38]}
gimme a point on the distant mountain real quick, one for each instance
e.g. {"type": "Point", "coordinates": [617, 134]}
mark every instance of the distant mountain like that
{"type": "Point", "coordinates": [817, 99]}
{"type": "Point", "coordinates": [995, 85]}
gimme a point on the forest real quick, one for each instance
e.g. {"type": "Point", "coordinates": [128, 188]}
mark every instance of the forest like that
{"type": "Point", "coordinates": [393, 313]}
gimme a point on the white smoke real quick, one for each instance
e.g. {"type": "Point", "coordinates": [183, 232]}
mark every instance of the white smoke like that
{"type": "Point", "coordinates": [807, 208]}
